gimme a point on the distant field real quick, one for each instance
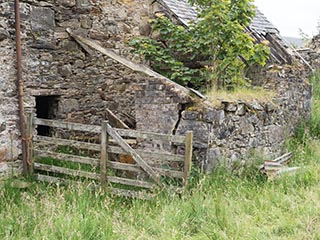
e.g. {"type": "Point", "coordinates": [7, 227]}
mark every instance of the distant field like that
{"type": "Point", "coordinates": [222, 205]}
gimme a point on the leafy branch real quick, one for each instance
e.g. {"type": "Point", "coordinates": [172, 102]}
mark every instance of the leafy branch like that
{"type": "Point", "coordinates": [212, 52]}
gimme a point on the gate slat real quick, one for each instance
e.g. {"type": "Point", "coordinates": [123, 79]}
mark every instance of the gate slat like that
{"type": "Point", "coordinates": [131, 182]}
{"type": "Point", "coordinates": [131, 193]}
{"type": "Point", "coordinates": [165, 157]}
{"type": "Point", "coordinates": [66, 171]}
{"type": "Point", "coordinates": [124, 166]}
{"type": "Point", "coordinates": [67, 157]}
{"type": "Point", "coordinates": [44, 140]}
{"type": "Point", "coordinates": [66, 142]}
{"type": "Point", "coordinates": [68, 125]}
{"type": "Point", "coordinates": [51, 179]}
{"type": "Point", "coordinates": [150, 135]}
{"type": "Point", "coordinates": [136, 168]}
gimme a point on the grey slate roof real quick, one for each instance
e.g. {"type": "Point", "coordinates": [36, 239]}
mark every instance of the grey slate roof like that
{"type": "Point", "coordinates": [182, 9]}
{"type": "Point", "coordinates": [261, 24]}
{"type": "Point", "coordinates": [186, 13]}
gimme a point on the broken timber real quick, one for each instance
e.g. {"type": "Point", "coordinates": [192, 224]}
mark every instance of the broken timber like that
{"type": "Point", "coordinates": [134, 66]}
{"type": "Point", "coordinates": [115, 121]}
{"type": "Point", "coordinates": [276, 167]}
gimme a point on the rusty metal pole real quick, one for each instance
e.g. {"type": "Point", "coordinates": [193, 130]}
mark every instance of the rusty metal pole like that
{"type": "Point", "coordinates": [20, 90]}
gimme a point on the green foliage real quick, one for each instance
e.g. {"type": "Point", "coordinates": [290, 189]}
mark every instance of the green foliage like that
{"type": "Point", "coordinates": [214, 51]}
{"type": "Point", "coordinates": [315, 118]}
{"type": "Point", "coordinates": [305, 143]}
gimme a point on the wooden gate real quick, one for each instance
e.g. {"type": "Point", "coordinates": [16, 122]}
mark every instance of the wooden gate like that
{"type": "Point", "coordinates": [127, 162]}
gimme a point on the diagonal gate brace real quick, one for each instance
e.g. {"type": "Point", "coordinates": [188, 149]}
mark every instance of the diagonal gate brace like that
{"type": "Point", "coordinates": [143, 164]}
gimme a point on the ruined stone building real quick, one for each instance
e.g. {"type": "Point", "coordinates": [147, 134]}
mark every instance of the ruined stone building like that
{"type": "Point", "coordinates": [312, 52]}
{"type": "Point", "coordinates": [66, 79]}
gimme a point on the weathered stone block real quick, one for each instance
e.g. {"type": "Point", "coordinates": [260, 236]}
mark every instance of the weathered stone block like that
{"type": "Point", "coordinates": [271, 107]}
{"type": "Point", "coordinates": [246, 127]}
{"type": "Point", "coordinates": [68, 105]}
{"type": "Point", "coordinates": [67, 3]}
{"type": "Point", "coordinates": [276, 134]}
{"type": "Point", "coordinates": [65, 70]}
{"type": "Point", "coordinates": [241, 109]}
{"type": "Point", "coordinates": [3, 154]}
{"type": "Point", "coordinates": [256, 106]}
{"type": "Point", "coordinates": [254, 119]}
{"type": "Point", "coordinates": [199, 128]}
{"type": "Point", "coordinates": [2, 126]}
{"type": "Point", "coordinates": [4, 34]}
{"type": "Point", "coordinates": [214, 116]}
{"type": "Point", "coordinates": [225, 130]}
{"type": "Point", "coordinates": [42, 19]}
{"type": "Point", "coordinates": [230, 107]}
{"type": "Point", "coordinates": [190, 115]}
{"type": "Point", "coordinates": [85, 22]}
{"type": "Point", "coordinates": [214, 156]}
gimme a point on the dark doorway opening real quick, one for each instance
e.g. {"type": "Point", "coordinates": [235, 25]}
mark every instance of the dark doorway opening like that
{"type": "Point", "coordinates": [46, 107]}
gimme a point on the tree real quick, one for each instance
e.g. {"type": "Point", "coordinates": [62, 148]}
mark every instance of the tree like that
{"type": "Point", "coordinates": [213, 51]}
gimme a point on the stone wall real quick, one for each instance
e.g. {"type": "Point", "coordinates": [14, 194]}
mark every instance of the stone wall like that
{"type": "Point", "coordinates": [8, 100]}
{"type": "Point", "coordinates": [80, 82]}
{"type": "Point", "coordinates": [83, 82]}
{"type": "Point", "coordinates": [312, 53]}
{"type": "Point", "coordinates": [235, 129]}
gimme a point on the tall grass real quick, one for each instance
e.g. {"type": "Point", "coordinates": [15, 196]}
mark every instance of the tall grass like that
{"type": "Point", "coordinates": [220, 206]}
{"type": "Point", "coordinates": [217, 206]}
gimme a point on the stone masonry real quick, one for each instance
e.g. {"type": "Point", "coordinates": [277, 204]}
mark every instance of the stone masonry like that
{"type": "Point", "coordinates": [233, 130]}
{"type": "Point", "coordinates": [312, 53]}
{"type": "Point", "coordinates": [82, 82]}
{"type": "Point", "coordinates": [79, 83]}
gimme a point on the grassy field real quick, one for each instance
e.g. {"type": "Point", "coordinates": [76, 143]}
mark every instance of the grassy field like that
{"type": "Point", "coordinates": [218, 206]}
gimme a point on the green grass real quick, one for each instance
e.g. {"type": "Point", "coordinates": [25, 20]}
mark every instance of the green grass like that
{"type": "Point", "coordinates": [244, 94]}
{"type": "Point", "coordinates": [217, 206]}
{"type": "Point", "coordinates": [220, 206]}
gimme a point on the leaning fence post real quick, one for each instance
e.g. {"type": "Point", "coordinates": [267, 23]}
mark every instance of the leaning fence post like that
{"type": "Point", "coordinates": [29, 141]}
{"type": "Point", "coordinates": [104, 154]}
{"type": "Point", "coordinates": [187, 157]}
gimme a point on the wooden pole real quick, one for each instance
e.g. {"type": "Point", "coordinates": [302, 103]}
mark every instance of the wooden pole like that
{"type": "Point", "coordinates": [104, 154]}
{"type": "Point", "coordinates": [29, 141]}
{"type": "Point", "coordinates": [20, 89]}
{"type": "Point", "coordinates": [188, 157]}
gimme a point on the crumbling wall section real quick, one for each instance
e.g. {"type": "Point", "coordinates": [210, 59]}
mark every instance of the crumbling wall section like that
{"type": "Point", "coordinates": [233, 130]}
{"type": "Point", "coordinates": [312, 53]}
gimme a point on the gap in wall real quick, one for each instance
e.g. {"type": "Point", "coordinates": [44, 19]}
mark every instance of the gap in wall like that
{"type": "Point", "coordinates": [46, 107]}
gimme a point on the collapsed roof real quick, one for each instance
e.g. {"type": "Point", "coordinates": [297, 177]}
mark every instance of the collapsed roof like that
{"type": "Point", "coordinates": [261, 28]}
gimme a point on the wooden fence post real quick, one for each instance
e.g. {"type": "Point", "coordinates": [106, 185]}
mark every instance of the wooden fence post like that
{"type": "Point", "coordinates": [29, 141]}
{"type": "Point", "coordinates": [104, 154]}
{"type": "Point", "coordinates": [188, 157]}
